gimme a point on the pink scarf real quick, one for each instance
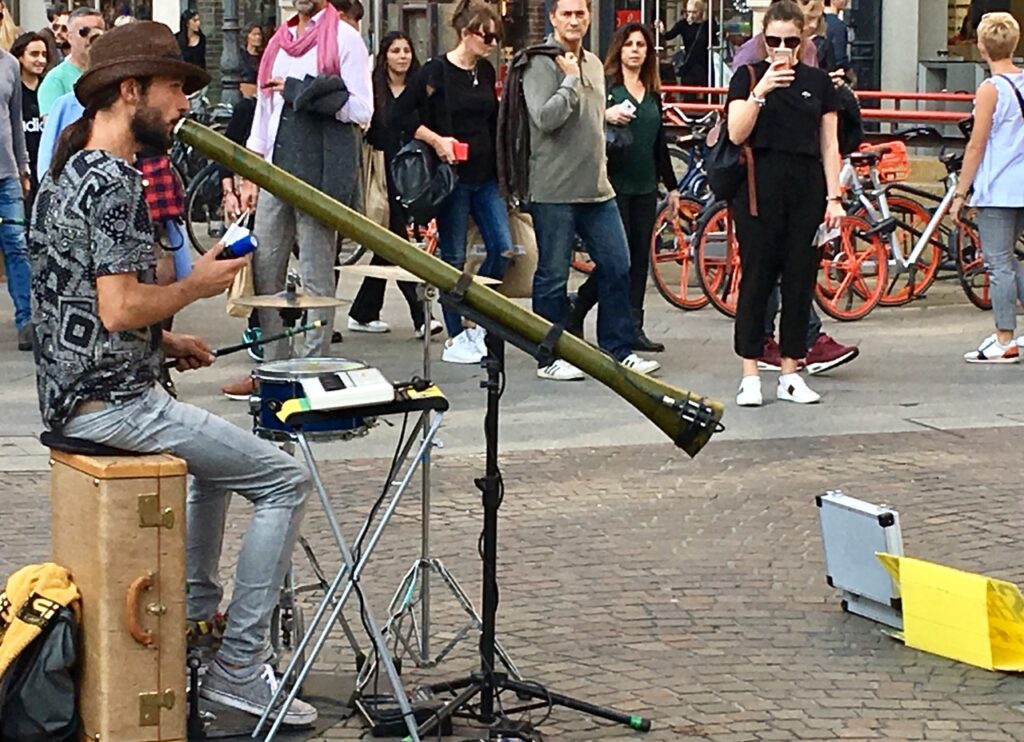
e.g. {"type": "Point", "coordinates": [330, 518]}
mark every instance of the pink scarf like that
{"type": "Point", "coordinates": [324, 36]}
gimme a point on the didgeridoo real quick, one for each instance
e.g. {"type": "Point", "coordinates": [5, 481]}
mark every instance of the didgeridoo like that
{"type": "Point", "coordinates": [687, 418]}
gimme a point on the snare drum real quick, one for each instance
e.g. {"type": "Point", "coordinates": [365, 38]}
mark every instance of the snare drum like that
{"type": "Point", "coordinates": [279, 381]}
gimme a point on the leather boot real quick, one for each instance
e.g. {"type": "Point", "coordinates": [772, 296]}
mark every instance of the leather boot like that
{"type": "Point", "coordinates": [641, 342]}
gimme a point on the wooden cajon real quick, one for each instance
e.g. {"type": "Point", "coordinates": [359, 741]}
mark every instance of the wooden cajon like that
{"type": "Point", "coordinates": [118, 525]}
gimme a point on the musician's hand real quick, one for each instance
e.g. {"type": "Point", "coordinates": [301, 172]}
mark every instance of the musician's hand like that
{"type": "Point", "coordinates": [211, 276]}
{"type": "Point", "coordinates": [188, 351]}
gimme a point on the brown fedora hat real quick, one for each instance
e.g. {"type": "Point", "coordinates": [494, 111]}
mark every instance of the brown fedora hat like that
{"type": "Point", "coordinates": [142, 49]}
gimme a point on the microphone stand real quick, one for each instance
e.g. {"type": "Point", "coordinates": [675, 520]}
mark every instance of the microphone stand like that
{"type": "Point", "coordinates": [486, 682]}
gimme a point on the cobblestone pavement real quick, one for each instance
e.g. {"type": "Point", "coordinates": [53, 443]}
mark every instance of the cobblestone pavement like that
{"type": "Point", "coordinates": [690, 592]}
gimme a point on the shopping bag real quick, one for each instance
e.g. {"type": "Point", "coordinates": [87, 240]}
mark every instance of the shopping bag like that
{"type": "Point", "coordinates": [241, 286]}
{"type": "Point", "coordinates": [518, 280]}
{"type": "Point", "coordinates": [376, 207]}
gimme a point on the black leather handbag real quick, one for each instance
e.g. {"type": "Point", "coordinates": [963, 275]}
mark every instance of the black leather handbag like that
{"type": "Point", "coordinates": [728, 164]}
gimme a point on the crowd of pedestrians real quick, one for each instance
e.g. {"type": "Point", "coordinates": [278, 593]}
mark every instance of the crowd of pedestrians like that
{"type": "Point", "coordinates": [788, 99]}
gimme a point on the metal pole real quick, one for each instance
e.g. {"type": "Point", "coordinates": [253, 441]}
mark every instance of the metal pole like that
{"type": "Point", "coordinates": [378, 25]}
{"type": "Point", "coordinates": [230, 56]}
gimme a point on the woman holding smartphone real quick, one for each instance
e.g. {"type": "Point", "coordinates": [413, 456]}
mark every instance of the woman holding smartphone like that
{"type": "Point", "coordinates": [635, 170]}
{"type": "Point", "coordinates": [788, 117]}
{"type": "Point", "coordinates": [450, 104]}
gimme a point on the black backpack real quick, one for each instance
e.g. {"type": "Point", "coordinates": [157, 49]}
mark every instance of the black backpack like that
{"type": "Point", "coordinates": [513, 143]}
{"type": "Point", "coordinates": [728, 165]}
{"type": "Point", "coordinates": [37, 693]}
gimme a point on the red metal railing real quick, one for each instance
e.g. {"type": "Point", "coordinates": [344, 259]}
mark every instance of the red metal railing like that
{"type": "Point", "coordinates": [895, 114]}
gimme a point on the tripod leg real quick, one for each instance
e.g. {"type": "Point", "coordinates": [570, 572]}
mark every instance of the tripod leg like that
{"type": "Point", "coordinates": [527, 690]}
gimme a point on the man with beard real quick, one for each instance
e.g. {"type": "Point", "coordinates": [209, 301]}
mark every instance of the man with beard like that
{"type": "Point", "coordinates": [58, 18]}
{"type": "Point", "coordinates": [85, 26]}
{"type": "Point", "coordinates": [100, 348]}
{"type": "Point", "coordinates": [314, 96]}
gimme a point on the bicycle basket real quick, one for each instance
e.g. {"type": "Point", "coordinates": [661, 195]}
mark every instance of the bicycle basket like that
{"type": "Point", "coordinates": [893, 166]}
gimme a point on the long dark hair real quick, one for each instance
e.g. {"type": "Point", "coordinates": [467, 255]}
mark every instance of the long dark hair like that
{"type": "Point", "coordinates": [380, 68]}
{"type": "Point", "coordinates": [187, 16]}
{"type": "Point", "coordinates": [75, 136]}
{"type": "Point", "coordinates": [649, 74]}
{"type": "Point", "coordinates": [21, 44]}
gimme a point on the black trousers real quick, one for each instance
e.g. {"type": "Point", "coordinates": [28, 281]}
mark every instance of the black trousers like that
{"type": "Point", "coordinates": [370, 299]}
{"type": "Point", "coordinates": [638, 214]}
{"type": "Point", "coordinates": [776, 247]}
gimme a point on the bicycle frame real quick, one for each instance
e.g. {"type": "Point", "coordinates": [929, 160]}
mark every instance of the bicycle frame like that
{"type": "Point", "coordinates": [878, 193]}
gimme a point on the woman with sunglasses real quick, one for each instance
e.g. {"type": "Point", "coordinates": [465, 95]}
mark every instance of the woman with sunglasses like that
{"type": "Point", "coordinates": [788, 117]}
{"type": "Point", "coordinates": [451, 105]}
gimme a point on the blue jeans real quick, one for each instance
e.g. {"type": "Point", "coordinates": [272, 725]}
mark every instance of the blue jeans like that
{"type": "Point", "coordinates": [221, 458]}
{"type": "Point", "coordinates": [600, 226]}
{"type": "Point", "coordinates": [12, 239]}
{"type": "Point", "coordinates": [488, 209]}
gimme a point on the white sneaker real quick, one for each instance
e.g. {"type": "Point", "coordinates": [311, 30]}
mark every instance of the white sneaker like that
{"type": "Point", "coordinates": [560, 370]}
{"type": "Point", "coordinates": [792, 388]}
{"type": "Point", "coordinates": [478, 335]}
{"type": "Point", "coordinates": [375, 326]}
{"type": "Point", "coordinates": [435, 328]}
{"type": "Point", "coordinates": [749, 394]}
{"type": "Point", "coordinates": [461, 349]}
{"type": "Point", "coordinates": [992, 351]}
{"type": "Point", "coordinates": [640, 365]}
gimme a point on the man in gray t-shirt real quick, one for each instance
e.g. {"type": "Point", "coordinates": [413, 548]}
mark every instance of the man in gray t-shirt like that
{"type": "Point", "coordinates": [15, 183]}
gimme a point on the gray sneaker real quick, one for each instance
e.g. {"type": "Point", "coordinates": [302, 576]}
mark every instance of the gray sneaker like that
{"type": "Point", "coordinates": [250, 689]}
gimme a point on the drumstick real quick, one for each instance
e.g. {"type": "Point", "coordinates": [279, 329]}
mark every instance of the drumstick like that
{"type": "Point", "coordinates": [229, 349]}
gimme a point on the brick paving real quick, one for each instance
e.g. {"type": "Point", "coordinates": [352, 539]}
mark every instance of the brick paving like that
{"type": "Point", "coordinates": [690, 592]}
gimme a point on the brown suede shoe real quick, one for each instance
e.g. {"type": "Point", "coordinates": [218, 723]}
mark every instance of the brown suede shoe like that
{"type": "Point", "coordinates": [241, 389]}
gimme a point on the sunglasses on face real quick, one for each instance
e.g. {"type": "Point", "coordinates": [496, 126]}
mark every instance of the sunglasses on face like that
{"type": "Point", "coordinates": [57, 28]}
{"type": "Point", "coordinates": [789, 42]}
{"type": "Point", "coordinates": [489, 37]}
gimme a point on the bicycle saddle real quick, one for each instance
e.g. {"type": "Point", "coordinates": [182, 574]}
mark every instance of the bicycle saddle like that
{"type": "Point", "coordinates": [869, 158]}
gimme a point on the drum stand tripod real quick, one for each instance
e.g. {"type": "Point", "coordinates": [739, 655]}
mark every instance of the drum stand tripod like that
{"type": "Point", "coordinates": [487, 683]}
{"type": "Point", "coordinates": [405, 605]}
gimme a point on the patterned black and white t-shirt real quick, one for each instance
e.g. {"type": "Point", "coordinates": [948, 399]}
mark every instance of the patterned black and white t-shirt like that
{"type": "Point", "coordinates": [91, 222]}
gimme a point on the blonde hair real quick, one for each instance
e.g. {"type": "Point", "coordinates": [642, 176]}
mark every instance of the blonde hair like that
{"type": "Point", "coordinates": [8, 31]}
{"type": "Point", "coordinates": [998, 34]}
{"type": "Point", "coordinates": [700, 5]}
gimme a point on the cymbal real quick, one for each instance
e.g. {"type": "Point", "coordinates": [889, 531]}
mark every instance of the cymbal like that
{"type": "Point", "coordinates": [285, 300]}
{"type": "Point", "coordinates": [397, 273]}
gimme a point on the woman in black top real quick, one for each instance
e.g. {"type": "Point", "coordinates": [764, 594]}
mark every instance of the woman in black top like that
{"type": "Point", "coordinates": [191, 39]}
{"type": "Point", "coordinates": [396, 61]}
{"type": "Point", "coordinates": [694, 31]}
{"type": "Point", "coordinates": [789, 121]}
{"type": "Point", "coordinates": [31, 52]}
{"type": "Point", "coordinates": [250, 54]}
{"type": "Point", "coordinates": [451, 102]}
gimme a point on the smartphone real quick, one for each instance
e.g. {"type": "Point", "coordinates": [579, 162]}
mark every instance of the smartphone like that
{"type": "Point", "coordinates": [782, 58]}
{"type": "Point", "coordinates": [461, 150]}
{"type": "Point", "coordinates": [628, 107]}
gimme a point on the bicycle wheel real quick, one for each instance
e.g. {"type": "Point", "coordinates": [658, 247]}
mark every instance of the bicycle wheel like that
{"type": "Point", "coordinates": [905, 285]}
{"type": "Point", "coordinates": [854, 272]}
{"type": "Point", "coordinates": [672, 253]}
{"type": "Point", "coordinates": [718, 259]}
{"type": "Point", "coordinates": [204, 222]}
{"type": "Point", "coordinates": [970, 267]}
{"type": "Point", "coordinates": [580, 257]}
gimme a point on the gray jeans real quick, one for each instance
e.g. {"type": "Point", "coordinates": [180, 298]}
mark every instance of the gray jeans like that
{"type": "Point", "coordinates": [278, 228]}
{"type": "Point", "coordinates": [221, 458]}
{"type": "Point", "coordinates": [999, 229]}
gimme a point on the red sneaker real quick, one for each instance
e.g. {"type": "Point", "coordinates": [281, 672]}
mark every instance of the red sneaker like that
{"type": "Point", "coordinates": [827, 354]}
{"type": "Point", "coordinates": [771, 356]}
